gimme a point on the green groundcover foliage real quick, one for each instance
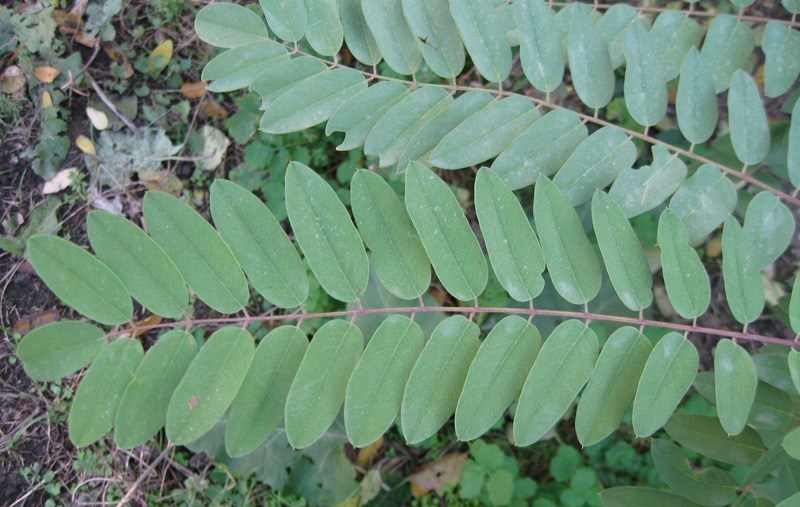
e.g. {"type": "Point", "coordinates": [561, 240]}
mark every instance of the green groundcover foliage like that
{"type": "Point", "coordinates": [433, 86]}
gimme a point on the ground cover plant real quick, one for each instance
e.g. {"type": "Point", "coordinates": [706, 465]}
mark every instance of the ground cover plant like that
{"type": "Point", "coordinates": [629, 172]}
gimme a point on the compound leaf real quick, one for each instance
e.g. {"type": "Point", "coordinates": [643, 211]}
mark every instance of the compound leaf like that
{"type": "Point", "coordinates": [640, 190]}
{"type": "Point", "coordinates": [205, 261]}
{"type": "Point", "coordinates": [287, 18]}
{"type": "Point", "coordinates": [326, 234]}
{"type": "Point", "coordinates": [612, 386]}
{"type": "Point", "coordinates": [448, 239]}
{"type": "Point", "coordinates": [595, 164]}
{"type": "Point", "coordinates": [570, 258]}
{"type": "Point", "coordinates": [735, 382]}
{"type": "Point", "coordinates": [747, 119]}
{"type": "Point", "coordinates": [435, 383]}
{"type": "Point", "coordinates": [704, 201]}
{"type": "Point", "coordinates": [80, 280]}
{"type": "Point", "coordinates": [143, 408]}
{"type": "Point", "coordinates": [496, 375]}
{"type": "Point", "coordinates": [397, 253]}
{"type": "Point", "coordinates": [388, 25]}
{"type": "Point", "coordinates": [485, 134]}
{"type": "Point", "coordinates": [668, 374]}
{"type": "Point", "coordinates": [744, 287]}
{"type": "Point", "coordinates": [696, 105]}
{"type": "Point", "coordinates": [147, 272]}
{"type": "Point", "coordinates": [210, 384]}
{"type": "Point", "coordinates": [561, 370]}
{"type": "Point", "coordinates": [92, 413]}
{"type": "Point", "coordinates": [437, 35]}
{"type": "Point", "coordinates": [512, 245]}
{"type": "Point", "coordinates": [704, 434]}
{"type": "Point", "coordinates": [726, 48]}
{"type": "Point", "coordinates": [710, 486]}
{"type": "Point", "coordinates": [781, 46]}
{"type": "Point", "coordinates": [542, 149]}
{"type": "Point", "coordinates": [539, 45]}
{"type": "Point", "coordinates": [375, 390]}
{"type": "Point", "coordinates": [228, 25]}
{"type": "Point", "coordinates": [259, 405]}
{"type": "Point", "coordinates": [260, 244]}
{"type": "Point", "coordinates": [622, 253]}
{"type": "Point", "coordinates": [318, 390]}
{"type": "Point", "coordinates": [484, 38]}
{"type": "Point", "coordinates": [60, 349]}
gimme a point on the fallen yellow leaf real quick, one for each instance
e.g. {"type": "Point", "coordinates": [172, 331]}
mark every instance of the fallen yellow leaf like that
{"type": "Point", "coordinates": [140, 327]}
{"type": "Point", "coordinates": [161, 56]}
{"type": "Point", "coordinates": [60, 181]}
{"type": "Point", "coordinates": [85, 145]}
{"type": "Point", "coordinates": [98, 118]}
{"type": "Point", "coordinates": [367, 454]}
{"type": "Point", "coordinates": [46, 74]}
{"type": "Point", "coordinates": [214, 109]}
{"type": "Point", "coordinates": [47, 100]}
{"type": "Point", "coordinates": [12, 79]}
{"type": "Point", "coordinates": [194, 90]}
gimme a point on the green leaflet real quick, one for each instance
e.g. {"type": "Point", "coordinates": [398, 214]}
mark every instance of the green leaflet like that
{"type": "Point", "coordinates": [358, 116]}
{"type": "Point", "coordinates": [735, 385]}
{"type": "Point", "coordinates": [496, 375]}
{"type": "Point", "coordinates": [781, 46]}
{"type": "Point", "coordinates": [318, 390]}
{"type": "Point", "coordinates": [794, 309]}
{"type": "Point", "coordinates": [324, 31]}
{"type": "Point", "coordinates": [432, 132]}
{"type": "Point", "coordinates": [260, 244]}
{"type": "Point", "coordinates": [792, 6]}
{"type": "Point", "coordinates": [484, 38]}
{"type": "Point", "coordinates": [747, 119]}
{"type": "Point", "coordinates": [632, 496]}
{"type": "Point", "coordinates": [238, 67]}
{"type": "Point", "coordinates": [397, 253]}
{"type": "Point", "coordinates": [285, 75]}
{"type": "Point", "coordinates": [696, 104]}
{"type": "Point", "coordinates": [388, 25]}
{"type": "Point", "coordinates": [326, 234]}
{"type": "Point", "coordinates": [640, 190]}
{"type": "Point", "coordinates": [589, 63]}
{"type": "Point", "coordinates": [559, 373]}
{"type": "Point", "coordinates": [312, 100]}
{"type": "Point", "coordinates": [793, 155]}
{"type": "Point", "coordinates": [595, 164]}
{"type": "Point", "coordinates": [768, 228]}
{"type": "Point", "coordinates": [794, 367]}
{"type": "Point", "coordinates": [622, 253]}
{"type": "Point", "coordinates": [613, 27]}
{"type": "Point", "coordinates": [563, 19]}
{"type": "Point", "coordinates": [80, 280]}
{"type": "Point", "coordinates": [287, 18]}
{"type": "Point", "coordinates": [703, 434]}
{"type": "Point", "coordinates": [791, 443]}
{"type": "Point", "coordinates": [542, 149]}
{"type": "Point", "coordinates": [228, 25]}
{"type": "Point", "coordinates": [259, 405]}
{"type": "Point", "coordinates": [744, 287]}
{"type": "Point", "coordinates": [392, 133]}
{"type": "Point", "coordinates": [435, 383]}
{"type": "Point", "coordinates": [571, 261]}
{"type": "Point", "coordinates": [772, 409]}
{"type": "Point", "coordinates": [359, 38]}
{"type": "Point", "coordinates": [668, 374]}
{"type": "Point", "coordinates": [95, 405]}
{"type": "Point", "coordinates": [685, 277]}
{"type": "Point", "coordinates": [741, 4]}
{"type": "Point", "coordinates": [204, 260]}
{"type": "Point", "coordinates": [726, 48]}
{"type": "Point", "coordinates": [709, 486]}
{"type": "Point", "coordinates": [645, 88]}
{"type": "Point", "coordinates": [512, 245]}
{"type": "Point", "coordinates": [774, 370]}
{"type": "Point", "coordinates": [704, 201]}
{"type": "Point", "coordinates": [375, 390]}
{"type": "Point", "coordinates": [210, 384]}
{"type": "Point", "coordinates": [448, 239]}
{"type": "Point", "coordinates": [539, 45]}
{"type": "Point", "coordinates": [437, 35]}
{"type": "Point", "coordinates": [144, 268]}
{"type": "Point", "coordinates": [672, 36]}
{"type": "Point", "coordinates": [792, 500]}
{"type": "Point", "coordinates": [485, 134]}
{"type": "Point", "coordinates": [612, 386]}
{"type": "Point", "coordinates": [60, 349]}
{"type": "Point", "coordinates": [768, 462]}
{"type": "Point", "coordinates": [143, 409]}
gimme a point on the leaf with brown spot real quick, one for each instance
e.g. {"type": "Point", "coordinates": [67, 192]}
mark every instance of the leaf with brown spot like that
{"type": "Point", "coordinates": [194, 90]}
{"type": "Point", "coordinates": [437, 475]}
{"type": "Point", "coordinates": [28, 324]}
